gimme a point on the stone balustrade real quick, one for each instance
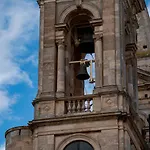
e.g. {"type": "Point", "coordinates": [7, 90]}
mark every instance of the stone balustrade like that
{"type": "Point", "coordinates": [78, 106]}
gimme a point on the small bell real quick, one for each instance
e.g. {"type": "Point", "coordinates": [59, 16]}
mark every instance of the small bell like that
{"type": "Point", "coordinates": [83, 74]}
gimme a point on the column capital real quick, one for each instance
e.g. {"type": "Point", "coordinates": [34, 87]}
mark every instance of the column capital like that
{"type": "Point", "coordinates": [60, 42]}
{"type": "Point", "coordinates": [96, 22]}
{"type": "Point", "coordinates": [61, 27]}
{"type": "Point", "coordinates": [61, 30]}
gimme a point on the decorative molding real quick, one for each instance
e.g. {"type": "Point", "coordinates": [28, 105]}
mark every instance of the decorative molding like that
{"type": "Point", "coordinates": [90, 7]}
{"type": "Point", "coordinates": [93, 142]}
{"type": "Point", "coordinates": [60, 42]}
{"type": "Point", "coordinates": [61, 30]}
{"type": "Point", "coordinates": [96, 22]}
{"type": "Point", "coordinates": [98, 28]}
{"type": "Point", "coordinates": [61, 27]}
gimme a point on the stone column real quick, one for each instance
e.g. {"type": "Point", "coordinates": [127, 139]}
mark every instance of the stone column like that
{"type": "Point", "coordinates": [61, 69]}
{"type": "Point", "coordinates": [41, 46]}
{"type": "Point", "coordinates": [61, 30]}
{"type": "Point", "coordinates": [132, 73]}
{"type": "Point", "coordinates": [130, 82]}
{"type": "Point", "coordinates": [98, 34]}
{"type": "Point", "coordinates": [98, 60]}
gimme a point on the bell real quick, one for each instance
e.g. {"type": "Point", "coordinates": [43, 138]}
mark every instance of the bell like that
{"type": "Point", "coordinates": [86, 42]}
{"type": "Point", "coordinates": [86, 46]}
{"type": "Point", "coordinates": [83, 74]}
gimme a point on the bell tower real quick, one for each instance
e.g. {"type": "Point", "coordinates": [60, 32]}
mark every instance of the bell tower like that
{"type": "Point", "coordinates": [65, 116]}
{"type": "Point", "coordinates": [87, 42]}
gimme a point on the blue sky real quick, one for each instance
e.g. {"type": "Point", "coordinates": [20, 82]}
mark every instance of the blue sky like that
{"type": "Point", "coordinates": [19, 30]}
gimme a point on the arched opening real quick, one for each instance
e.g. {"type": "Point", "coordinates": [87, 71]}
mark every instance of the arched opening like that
{"type": "Point", "coordinates": [80, 43]}
{"type": "Point", "coordinates": [79, 145]}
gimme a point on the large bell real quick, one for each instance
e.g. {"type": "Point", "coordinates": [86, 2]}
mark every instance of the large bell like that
{"type": "Point", "coordinates": [86, 41]}
{"type": "Point", "coordinates": [83, 74]}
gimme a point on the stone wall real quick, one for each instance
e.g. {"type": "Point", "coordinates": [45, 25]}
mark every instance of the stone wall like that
{"type": "Point", "coordinates": [19, 138]}
{"type": "Point", "coordinates": [100, 134]}
{"type": "Point", "coordinates": [143, 33]}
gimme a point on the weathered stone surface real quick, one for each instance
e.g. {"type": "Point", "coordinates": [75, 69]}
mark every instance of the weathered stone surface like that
{"type": "Point", "coordinates": [62, 113]}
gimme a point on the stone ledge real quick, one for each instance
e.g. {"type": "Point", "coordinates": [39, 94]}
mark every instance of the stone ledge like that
{"type": "Point", "coordinates": [16, 128]}
{"type": "Point", "coordinates": [114, 89]}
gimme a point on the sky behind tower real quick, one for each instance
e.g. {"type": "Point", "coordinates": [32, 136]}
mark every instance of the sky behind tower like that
{"type": "Point", "coordinates": [19, 30]}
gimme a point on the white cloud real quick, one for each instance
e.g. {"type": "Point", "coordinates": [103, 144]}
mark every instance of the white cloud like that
{"type": "Point", "coordinates": [32, 59]}
{"type": "Point", "coordinates": [148, 9]}
{"type": "Point", "coordinates": [2, 147]}
{"type": "Point", "coordinates": [6, 102]}
{"type": "Point", "coordinates": [18, 21]}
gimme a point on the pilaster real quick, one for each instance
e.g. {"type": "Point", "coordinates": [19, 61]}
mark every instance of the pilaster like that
{"type": "Point", "coordinates": [47, 56]}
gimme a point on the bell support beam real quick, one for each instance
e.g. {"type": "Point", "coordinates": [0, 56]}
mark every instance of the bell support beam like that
{"type": "Point", "coordinates": [60, 41]}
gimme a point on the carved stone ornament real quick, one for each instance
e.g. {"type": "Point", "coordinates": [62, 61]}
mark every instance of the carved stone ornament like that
{"type": "Point", "coordinates": [109, 101]}
{"type": "Point", "coordinates": [46, 108]}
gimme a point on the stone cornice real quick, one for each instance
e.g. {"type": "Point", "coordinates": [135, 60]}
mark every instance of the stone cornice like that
{"type": "Point", "coordinates": [102, 91]}
{"type": "Point", "coordinates": [40, 2]}
{"type": "Point", "coordinates": [95, 116]}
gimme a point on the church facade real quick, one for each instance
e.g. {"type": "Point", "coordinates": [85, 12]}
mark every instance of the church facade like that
{"type": "Point", "coordinates": [114, 114]}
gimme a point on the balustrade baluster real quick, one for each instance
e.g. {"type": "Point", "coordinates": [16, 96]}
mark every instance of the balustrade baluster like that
{"type": "Point", "coordinates": [74, 106]}
{"type": "Point", "coordinates": [69, 107]}
{"type": "Point", "coordinates": [88, 105]}
{"type": "Point", "coordinates": [83, 105]}
{"type": "Point", "coordinates": [91, 105]}
{"type": "Point", "coordinates": [78, 106]}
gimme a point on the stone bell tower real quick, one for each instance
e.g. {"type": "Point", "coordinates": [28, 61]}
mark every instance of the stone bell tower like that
{"type": "Point", "coordinates": [65, 118]}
